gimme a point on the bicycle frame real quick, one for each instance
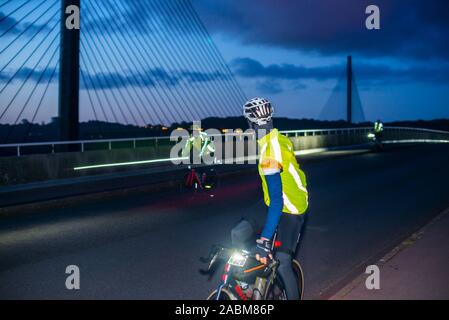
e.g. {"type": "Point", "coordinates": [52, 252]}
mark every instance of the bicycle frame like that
{"type": "Point", "coordinates": [229, 281]}
{"type": "Point", "coordinates": [192, 177]}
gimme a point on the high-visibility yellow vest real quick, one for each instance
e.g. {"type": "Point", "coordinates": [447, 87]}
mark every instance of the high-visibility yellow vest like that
{"type": "Point", "coordinates": [201, 142]}
{"type": "Point", "coordinates": [378, 127]}
{"type": "Point", "coordinates": [275, 147]}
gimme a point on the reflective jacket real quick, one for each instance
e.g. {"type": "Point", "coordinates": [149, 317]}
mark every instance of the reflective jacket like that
{"type": "Point", "coordinates": [201, 143]}
{"type": "Point", "coordinates": [378, 127]}
{"type": "Point", "coordinates": [276, 149]}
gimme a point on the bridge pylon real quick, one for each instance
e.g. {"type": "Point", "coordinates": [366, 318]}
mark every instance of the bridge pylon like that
{"type": "Point", "coordinates": [68, 106]}
{"type": "Point", "coordinates": [349, 90]}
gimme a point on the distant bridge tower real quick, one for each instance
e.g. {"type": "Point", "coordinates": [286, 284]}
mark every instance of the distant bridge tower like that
{"type": "Point", "coordinates": [349, 90]}
{"type": "Point", "coordinates": [68, 110]}
{"type": "Point", "coordinates": [344, 101]}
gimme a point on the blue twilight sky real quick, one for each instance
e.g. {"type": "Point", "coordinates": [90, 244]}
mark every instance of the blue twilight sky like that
{"type": "Point", "coordinates": [148, 61]}
{"type": "Point", "coordinates": [293, 52]}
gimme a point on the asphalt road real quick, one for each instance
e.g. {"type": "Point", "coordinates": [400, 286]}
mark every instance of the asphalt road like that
{"type": "Point", "coordinates": [147, 246]}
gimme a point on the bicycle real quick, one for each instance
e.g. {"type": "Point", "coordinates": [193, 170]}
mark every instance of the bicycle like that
{"type": "Point", "coordinates": [204, 180]}
{"type": "Point", "coordinates": [245, 278]}
{"type": "Point", "coordinates": [376, 141]}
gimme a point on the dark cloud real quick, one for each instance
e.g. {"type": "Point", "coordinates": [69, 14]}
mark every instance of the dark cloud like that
{"type": "Point", "coordinates": [196, 76]}
{"type": "Point", "coordinates": [137, 17]}
{"type": "Point", "coordinates": [372, 74]}
{"type": "Point", "coordinates": [13, 26]}
{"type": "Point", "coordinates": [269, 87]}
{"type": "Point", "coordinates": [7, 22]}
{"type": "Point", "coordinates": [111, 80]}
{"type": "Point", "coordinates": [28, 73]}
{"type": "Point", "coordinates": [153, 77]}
{"type": "Point", "coordinates": [413, 29]}
{"type": "Point", "coordinates": [247, 67]}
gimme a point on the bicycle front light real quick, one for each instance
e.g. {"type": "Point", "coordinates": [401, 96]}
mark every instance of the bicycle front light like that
{"type": "Point", "coordinates": [237, 259]}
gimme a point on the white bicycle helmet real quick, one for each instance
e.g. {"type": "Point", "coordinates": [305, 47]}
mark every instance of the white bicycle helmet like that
{"type": "Point", "coordinates": [258, 111]}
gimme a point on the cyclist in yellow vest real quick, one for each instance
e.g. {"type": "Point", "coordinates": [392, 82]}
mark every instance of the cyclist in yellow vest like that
{"type": "Point", "coordinates": [285, 195]}
{"type": "Point", "coordinates": [378, 128]}
{"type": "Point", "coordinates": [200, 143]}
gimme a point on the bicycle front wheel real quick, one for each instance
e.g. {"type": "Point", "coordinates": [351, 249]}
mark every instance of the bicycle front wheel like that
{"type": "Point", "coordinates": [225, 294]}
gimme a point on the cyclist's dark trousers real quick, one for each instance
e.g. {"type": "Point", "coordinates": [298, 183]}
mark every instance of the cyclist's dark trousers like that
{"type": "Point", "coordinates": [289, 230]}
{"type": "Point", "coordinates": [379, 136]}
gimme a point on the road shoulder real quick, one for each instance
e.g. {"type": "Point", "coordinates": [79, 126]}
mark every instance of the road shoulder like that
{"type": "Point", "coordinates": [418, 268]}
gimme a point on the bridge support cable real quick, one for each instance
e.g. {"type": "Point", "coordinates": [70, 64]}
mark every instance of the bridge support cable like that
{"type": "Point", "coordinates": [29, 41]}
{"type": "Point", "coordinates": [214, 93]}
{"type": "Point", "coordinates": [209, 41]}
{"type": "Point", "coordinates": [126, 65]}
{"type": "Point", "coordinates": [228, 95]}
{"type": "Point", "coordinates": [86, 88]}
{"type": "Point", "coordinates": [28, 76]}
{"type": "Point", "coordinates": [114, 48]}
{"type": "Point", "coordinates": [202, 63]}
{"type": "Point", "coordinates": [22, 109]}
{"type": "Point", "coordinates": [82, 78]}
{"type": "Point", "coordinates": [130, 64]}
{"type": "Point", "coordinates": [171, 57]}
{"type": "Point", "coordinates": [170, 53]}
{"type": "Point", "coordinates": [35, 49]}
{"type": "Point", "coordinates": [169, 81]}
{"type": "Point", "coordinates": [171, 114]}
{"type": "Point", "coordinates": [358, 115]}
{"type": "Point", "coordinates": [15, 10]}
{"type": "Point", "coordinates": [5, 3]}
{"type": "Point", "coordinates": [44, 94]}
{"type": "Point", "coordinates": [335, 106]}
{"type": "Point", "coordinates": [104, 82]}
{"type": "Point", "coordinates": [26, 29]}
{"type": "Point", "coordinates": [84, 67]}
{"type": "Point", "coordinates": [121, 83]}
{"type": "Point", "coordinates": [118, 82]}
{"type": "Point", "coordinates": [18, 21]}
{"type": "Point", "coordinates": [152, 66]}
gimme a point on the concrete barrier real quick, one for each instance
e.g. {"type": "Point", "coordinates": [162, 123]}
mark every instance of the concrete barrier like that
{"type": "Point", "coordinates": [41, 167]}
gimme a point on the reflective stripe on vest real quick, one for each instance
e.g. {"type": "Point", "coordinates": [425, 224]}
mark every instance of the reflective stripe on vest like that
{"type": "Point", "coordinates": [289, 205]}
{"type": "Point", "coordinates": [275, 147]}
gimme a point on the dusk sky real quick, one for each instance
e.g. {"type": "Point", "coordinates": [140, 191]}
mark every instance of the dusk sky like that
{"type": "Point", "coordinates": [293, 52]}
{"type": "Point", "coordinates": [145, 62]}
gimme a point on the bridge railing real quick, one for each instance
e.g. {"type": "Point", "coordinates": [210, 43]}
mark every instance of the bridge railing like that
{"type": "Point", "coordinates": [393, 133]}
{"type": "Point", "coordinates": [29, 148]}
{"type": "Point", "coordinates": [41, 161]}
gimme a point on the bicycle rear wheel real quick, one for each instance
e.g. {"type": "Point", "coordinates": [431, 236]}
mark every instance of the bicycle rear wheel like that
{"type": "Point", "coordinates": [276, 291]}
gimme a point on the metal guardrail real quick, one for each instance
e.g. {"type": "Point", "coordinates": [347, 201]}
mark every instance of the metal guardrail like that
{"type": "Point", "coordinates": [134, 141]}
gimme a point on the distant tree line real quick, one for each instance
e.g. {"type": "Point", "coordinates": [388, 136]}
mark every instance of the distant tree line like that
{"type": "Point", "coordinates": [35, 132]}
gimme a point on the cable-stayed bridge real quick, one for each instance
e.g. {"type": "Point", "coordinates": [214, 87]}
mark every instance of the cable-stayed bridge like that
{"type": "Point", "coordinates": [139, 63]}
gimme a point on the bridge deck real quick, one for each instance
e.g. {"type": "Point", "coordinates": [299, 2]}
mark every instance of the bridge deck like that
{"type": "Point", "coordinates": [148, 245]}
